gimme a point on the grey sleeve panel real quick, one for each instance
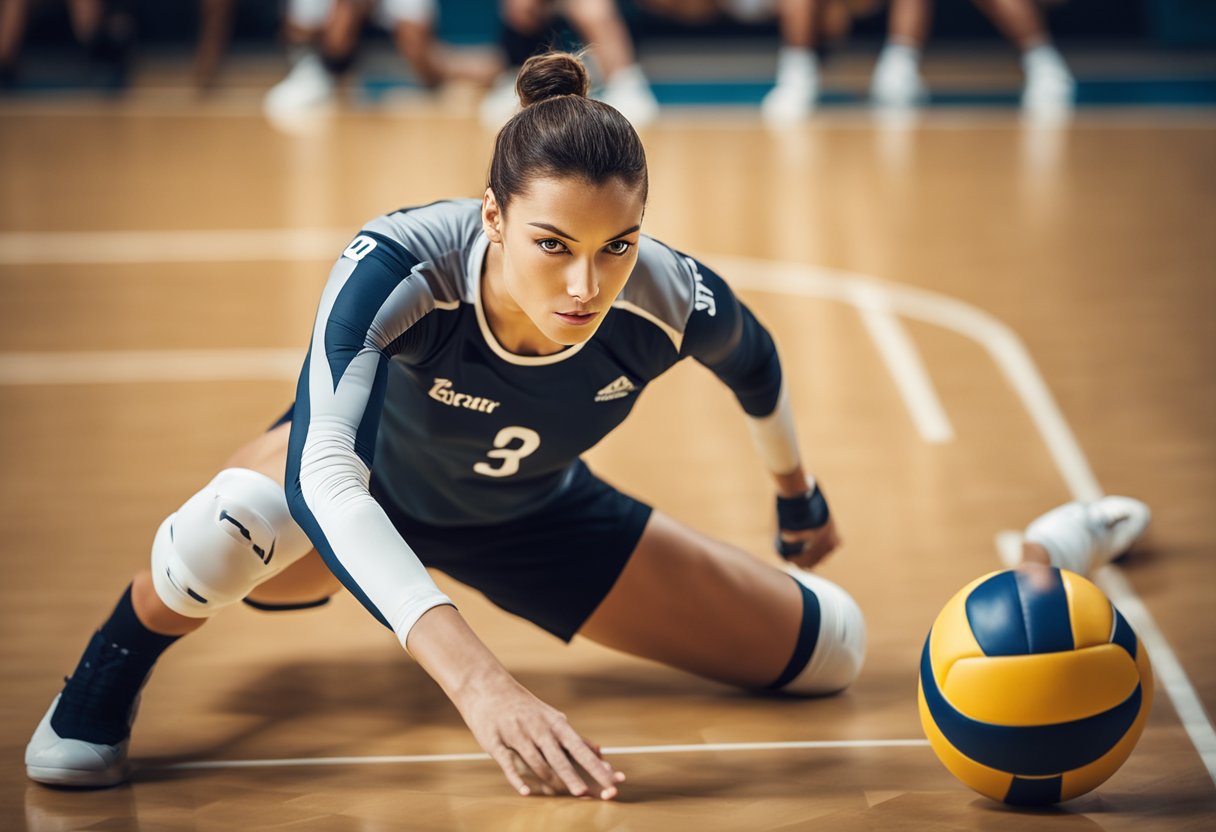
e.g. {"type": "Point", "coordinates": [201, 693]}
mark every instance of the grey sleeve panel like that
{"type": "Point", "coordinates": [441, 236]}
{"type": "Point", "coordinates": [662, 289]}
{"type": "Point", "coordinates": [724, 335]}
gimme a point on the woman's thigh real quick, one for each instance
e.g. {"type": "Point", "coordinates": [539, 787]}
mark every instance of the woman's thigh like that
{"type": "Point", "coordinates": [308, 579]}
{"type": "Point", "coordinates": [695, 603]}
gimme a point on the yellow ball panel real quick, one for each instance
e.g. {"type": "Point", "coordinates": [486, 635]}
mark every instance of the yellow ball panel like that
{"type": "Point", "coordinates": [987, 781]}
{"type": "Point", "coordinates": [1089, 777]}
{"type": "Point", "coordinates": [1041, 689]}
{"type": "Point", "coordinates": [1088, 609]}
{"type": "Point", "coordinates": [951, 637]}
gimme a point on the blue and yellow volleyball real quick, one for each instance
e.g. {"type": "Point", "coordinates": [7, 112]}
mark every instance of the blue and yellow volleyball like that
{"type": "Point", "coordinates": [1033, 688]}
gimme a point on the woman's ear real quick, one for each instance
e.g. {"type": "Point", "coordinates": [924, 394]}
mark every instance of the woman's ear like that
{"type": "Point", "coordinates": [491, 217]}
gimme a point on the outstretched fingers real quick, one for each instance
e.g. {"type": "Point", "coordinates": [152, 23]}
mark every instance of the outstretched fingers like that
{"type": "Point", "coordinates": [588, 756]}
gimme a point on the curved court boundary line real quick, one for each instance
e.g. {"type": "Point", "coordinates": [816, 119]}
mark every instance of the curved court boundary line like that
{"type": "Point", "coordinates": [869, 296]}
{"type": "Point", "coordinates": [1011, 357]}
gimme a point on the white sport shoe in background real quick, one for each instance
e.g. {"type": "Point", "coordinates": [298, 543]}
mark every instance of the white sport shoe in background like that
{"type": "Point", "coordinates": [500, 102]}
{"type": "Point", "coordinates": [309, 84]}
{"type": "Point", "coordinates": [628, 91]}
{"type": "Point", "coordinates": [1084, 536]}
{"type": "Point", "coordinates": [797, 90]}
{"type": "Point", "coordinates": [1050, 88]}
{"type": "Point", "coordinates": [897, 82]}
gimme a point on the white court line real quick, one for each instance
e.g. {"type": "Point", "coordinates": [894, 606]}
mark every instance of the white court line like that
{"type": "Point", "coordinates": [1010, 355]}
{"type": "Point", "coordinates": [1002, 344]}
{"type": "Point", "coordinates": [694, 748]}
{"type": "Point", "coordinates": [1008, 352]}
{"type": "Point", "coordinates": [135, 366]}
{"type": "Point", "coordinates": [221, 246]}
{"type": "Point", "coordinates": [1009, 548]}
{"type": "Point", "coordinates": [904, 363]}
{"type": "Point", "coordinates": [1166, 667]}
{"type": "Point", "coordinates": [1167, 670]}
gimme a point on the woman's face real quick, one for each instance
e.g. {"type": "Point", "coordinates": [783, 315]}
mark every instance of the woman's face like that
{"type": "Point", "coordinates": [567, 249]}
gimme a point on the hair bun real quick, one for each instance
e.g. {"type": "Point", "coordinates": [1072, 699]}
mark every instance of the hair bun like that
{"type": "Point", "coordinates": [549, 75]}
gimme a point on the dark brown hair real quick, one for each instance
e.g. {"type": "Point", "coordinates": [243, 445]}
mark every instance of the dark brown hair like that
{"type": "Point", "coordinates": [561, 133]}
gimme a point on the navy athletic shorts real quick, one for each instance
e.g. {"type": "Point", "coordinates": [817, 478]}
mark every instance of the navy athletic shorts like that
{"type": "Point", "coordinates": [552, 568]}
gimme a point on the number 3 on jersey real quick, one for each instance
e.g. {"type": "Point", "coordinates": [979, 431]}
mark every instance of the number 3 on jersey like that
{"type": "Point", "coordinates": [510, 456]}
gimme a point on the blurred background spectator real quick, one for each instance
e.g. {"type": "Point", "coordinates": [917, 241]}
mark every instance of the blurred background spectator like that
{"type": "Point", "coordinates": [323, 40]}
{"type": "Point", "coordinates": [647, 52]}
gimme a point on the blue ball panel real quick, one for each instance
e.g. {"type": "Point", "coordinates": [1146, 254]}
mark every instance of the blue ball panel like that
{"type": "Point", "coordinates": [1036, 751]}
{"type": "Point", "coordinates": [1045, 607]}
{"type": "Point", "coordinates": [994, 611]}
{"type": "Point", "coordinates": [1024, 792]}
{"type": "Point", "coordinates": [1124, 636]}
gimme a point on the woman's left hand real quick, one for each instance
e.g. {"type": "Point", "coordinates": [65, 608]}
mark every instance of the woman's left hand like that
{"type": "Point", "coordinates": [816, 544]}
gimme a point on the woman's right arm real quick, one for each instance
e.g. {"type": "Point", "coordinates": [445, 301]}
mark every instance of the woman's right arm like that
{"type": "Point", "coordinates": [509, 722]}
{"type": "Point", "coordinates": [369, 303]}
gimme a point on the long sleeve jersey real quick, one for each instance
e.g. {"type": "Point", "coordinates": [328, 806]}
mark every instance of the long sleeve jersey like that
{"type": "Point", "coordinates": [404, 378]}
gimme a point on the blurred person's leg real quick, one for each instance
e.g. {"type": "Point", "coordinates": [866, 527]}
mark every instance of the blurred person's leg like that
{"type": "Point", "coordinates": [897, 80]}
{"type": "Point", "coordinates": [13, 16]}
{"type": "Point", "coordinates": [1049, 85]}
{"type": "Point", "coordinates": [322, 38]}
{"type": "Point", "coordinates": [690, 12]}
{"type": "Point", "coordinates": [599, 24]}
{"type": "Point", "coordinates": [524, 30]}
{"type": "Point", "coordinates": [215, 30]}
{"type": "Point", "coordinates": [797, 89]}
{"type": "Point", "coordinates": [412, 23]}
{"type": "Point", "coordinates": [106, 28]}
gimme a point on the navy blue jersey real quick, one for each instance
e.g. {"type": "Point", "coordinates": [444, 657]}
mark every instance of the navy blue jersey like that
{"type": "Point", "coordinates": [405, 378]}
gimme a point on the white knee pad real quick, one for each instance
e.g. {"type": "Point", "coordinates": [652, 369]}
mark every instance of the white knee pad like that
{"type": "Point", "coordinates": [841, 647]}
{"type": "Point", "coordinates": [228, 538]}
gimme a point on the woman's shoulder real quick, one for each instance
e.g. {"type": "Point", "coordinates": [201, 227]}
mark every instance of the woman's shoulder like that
{"type": "Point", "coordinates": [432, 230]}
{"type": "Point", "coordinates": [661, 289]}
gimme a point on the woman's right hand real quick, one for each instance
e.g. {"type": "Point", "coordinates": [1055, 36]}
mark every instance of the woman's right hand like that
{"type": "Point", "coordinates": [511, 724]}
{"type": "Point", "coordinates": [516, 728]}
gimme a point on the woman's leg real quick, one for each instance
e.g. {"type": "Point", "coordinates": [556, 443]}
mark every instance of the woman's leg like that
{"type": "Point", "coordinates": [232, 536]}
{"type": "Point", "coordinates": [709, 608]}
{"type": "Point", "coordinates": [305, 580]}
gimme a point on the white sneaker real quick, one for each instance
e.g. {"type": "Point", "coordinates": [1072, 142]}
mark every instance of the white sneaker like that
{"type": "Point", "coordinates": [1083, 536]}
{"type": "Point", "coordinates": [500, 102]}
{"type": "Point", "coordinates": [796, 93]}
{"type": "Point", "coordinates": [309, 84]}
{"type": "Point", "coordinates": [57, 761]}
{"type": "Point", "coordinates": [897, 82]}
{"type": "Point", "coordinates": [789, 103]}
{"type": "Point", "coordinates": [628, 91]}
{"type": "Point", "coordinates": [1049, 89]}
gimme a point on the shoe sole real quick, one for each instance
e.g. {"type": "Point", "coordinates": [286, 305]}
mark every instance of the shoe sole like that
{"type": "Point", "coordinates": [79, 778]}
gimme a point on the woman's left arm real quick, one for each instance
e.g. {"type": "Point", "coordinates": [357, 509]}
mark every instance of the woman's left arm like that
{"type": "Point", "coordinates": [725, 336]}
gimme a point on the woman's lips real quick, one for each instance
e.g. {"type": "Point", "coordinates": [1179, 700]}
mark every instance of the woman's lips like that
{"type": "Point", "coordinates": [576, 318]}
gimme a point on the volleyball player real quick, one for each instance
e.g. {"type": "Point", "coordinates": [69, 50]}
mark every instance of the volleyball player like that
{"type": "Point", "coordinates": [464, 355]}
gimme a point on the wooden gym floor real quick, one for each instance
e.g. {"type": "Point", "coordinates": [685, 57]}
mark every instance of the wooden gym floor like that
{"type": "Point", "coordinates": [156, 296]}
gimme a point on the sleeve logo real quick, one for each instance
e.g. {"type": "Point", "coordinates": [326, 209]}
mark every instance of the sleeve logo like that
{"type": "Point", "coordinates": [359, 248]}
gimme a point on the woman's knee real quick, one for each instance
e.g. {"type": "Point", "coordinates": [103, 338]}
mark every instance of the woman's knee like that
{"type": "Point", "coordinates": [831, 644]}
{"type": "Point", "coordinates": [306, 583]}
{"type": "Point", "coordinates": [233, 535]}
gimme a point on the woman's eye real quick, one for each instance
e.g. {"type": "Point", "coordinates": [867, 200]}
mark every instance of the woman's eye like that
{"type": "Point", "coordinates": [619, 247]}
{"type": "Point", "coordinates": [551, 246]}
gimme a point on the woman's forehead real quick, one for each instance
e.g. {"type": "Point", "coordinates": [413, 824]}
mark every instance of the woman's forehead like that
{"type": "Point", "coordinates": [575, 201]}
